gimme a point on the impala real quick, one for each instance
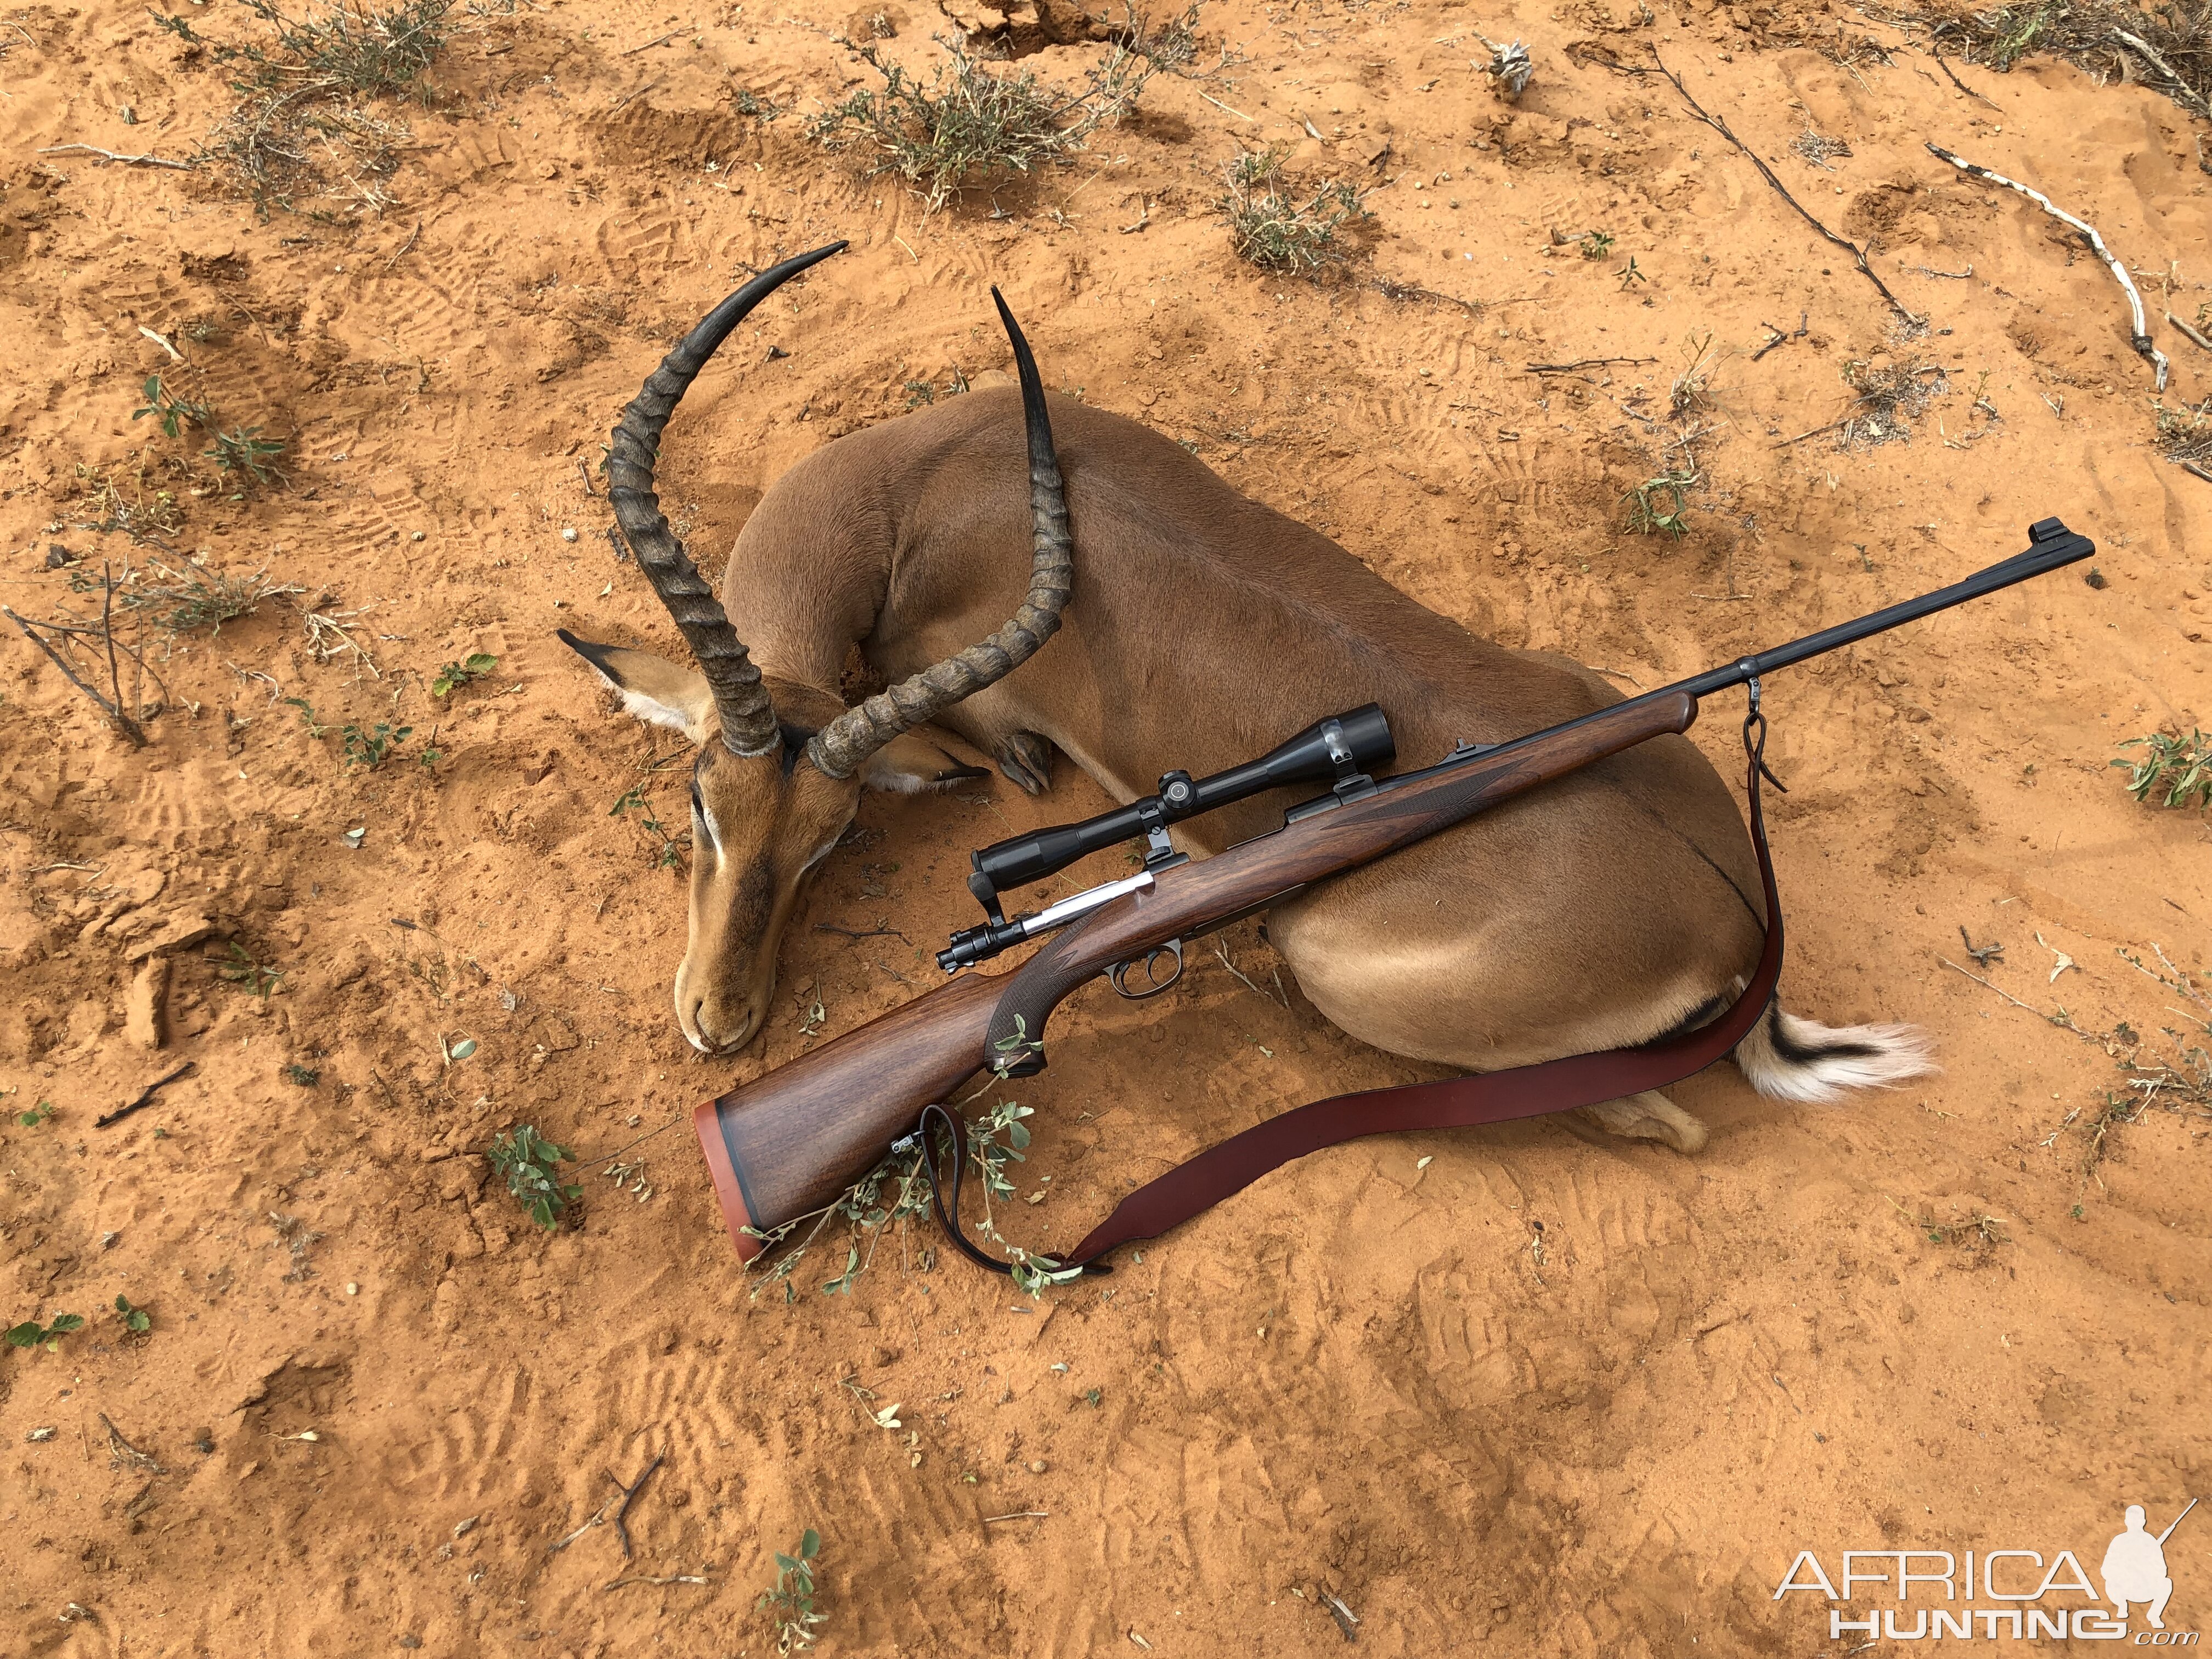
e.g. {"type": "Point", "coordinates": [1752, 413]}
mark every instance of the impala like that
{"type": "Point", "coordinates": [1190, 627]}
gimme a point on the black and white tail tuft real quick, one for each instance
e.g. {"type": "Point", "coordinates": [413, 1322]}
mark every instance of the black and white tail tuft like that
{"type": "Point", "coordinates": [1794, 1059]}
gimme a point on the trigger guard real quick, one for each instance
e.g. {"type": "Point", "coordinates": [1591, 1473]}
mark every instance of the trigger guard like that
{"type": "Point", "coordinates": [1118, 974]}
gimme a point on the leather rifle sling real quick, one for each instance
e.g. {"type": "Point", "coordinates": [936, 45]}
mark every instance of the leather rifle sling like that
{"type": "Point", "coordinates": [1553, 1085]}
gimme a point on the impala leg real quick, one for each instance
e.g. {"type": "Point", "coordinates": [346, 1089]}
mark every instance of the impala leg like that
{"type": "Point", "coordinates": [1649, 1116]}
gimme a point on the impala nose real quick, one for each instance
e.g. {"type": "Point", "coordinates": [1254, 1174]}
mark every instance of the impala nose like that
{"type": "Point", "coordinates": [708, 1035]}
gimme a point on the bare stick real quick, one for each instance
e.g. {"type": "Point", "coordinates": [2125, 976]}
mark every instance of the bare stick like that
{"type": "Point", "coordinates": [633, 52]}
{"type": "Point", "coordinates": [1583, 363]}
{"type": "Point", "coordinates": [404, 248]}
{"type": "Point", "coordinates": [674, 1578]}
{"type": "Point", "coordinates": [2190, 331]}
{"type": "Point", "coordinates": [119, 1448]}
{"type": "Point", "coordinates": [2191, 466]}
{"type": "Point", "coordinates": [2190, 97]}
{"type": "Point", "coordinates": [1018, 1515]}
{"type": "Point", "coordinates": [1857, 254]}
{"type": "Point", "coordinates": [123, 722]}
{"type": "Point", "coordinates": [2139, 336]}
{"type": "Point", "coordinates": [2006, 995]}
{"type": "Point", "coordinates": [1961, 85]}
{"type": "Point", "coordinates": [1222, 952]}
{"type": "Point", "coordinates": [629, 1496]}
{"type": "Point", "coordinates": [1347, 1619]}
{"type": "Point", "coordinates": [857, 933]}
{"type": "Point", "coordinates": [121, 161]}
{"type": "Point", "coordinates": [1814, 433]}
{"type": "Point", "coordinates": [145, 1097]}
{"type": "Point", "coordinates": [1777, 337]}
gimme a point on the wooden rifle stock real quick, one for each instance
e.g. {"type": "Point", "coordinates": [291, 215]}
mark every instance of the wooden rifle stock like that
{"type": "Point", "coordinates": [787, 1144]}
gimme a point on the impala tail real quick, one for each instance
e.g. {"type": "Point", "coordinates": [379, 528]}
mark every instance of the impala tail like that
{"type": "Point", "coordinates": [1796, 1059]}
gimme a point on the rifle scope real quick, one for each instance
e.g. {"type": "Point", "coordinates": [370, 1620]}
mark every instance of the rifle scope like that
{"type": "Point", "coordinates": [1339, 750]}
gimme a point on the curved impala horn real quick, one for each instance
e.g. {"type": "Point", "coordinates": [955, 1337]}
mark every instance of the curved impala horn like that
{"type": "Point", "coordinates": [839, 747]}
{"type": "Point", "coordinates": [748, 721]}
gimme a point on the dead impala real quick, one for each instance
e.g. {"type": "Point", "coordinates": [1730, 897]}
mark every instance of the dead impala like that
{"type": "Point", "coordinates": [1612, 907]}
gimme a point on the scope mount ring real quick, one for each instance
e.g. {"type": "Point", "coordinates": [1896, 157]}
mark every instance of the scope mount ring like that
{"type": "Point", "coordinates": [1118, 974]}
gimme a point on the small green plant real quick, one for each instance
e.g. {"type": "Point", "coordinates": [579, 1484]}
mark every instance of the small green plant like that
{"type": "Point", "coordinates": [1595, 245]}
{"type": "Point", "coordinates": [301, 1077]}
{"type": "Point", "coordinates": [2179, 766]}
{"type": "Point", "coordinates": [1269, 225]}
{"type": "Point", "coordinates": [371, 746]}
{"type": "Point", "coordinates": [31, 1335]}
{"type": "Point", "coordinates": [968, 126]}
{"type": "Point", "coordinates": [39, 1113]}
{"type": "Point", "coordinates": [528, 1162]}
{"type": "Point", "coordinates": [1629, 274]}
{"type": "Point", "coordinates": [455, 675]}
{"type": "Point", "coordinates": [672, 852]}
{"type": "Point", "coordinates": [1661, 506]}
{"type": "Point", "coordinates": [243, 971]}
{"type": "Point", "coordinates": [136, 1320]}
{"type": "Point", "coordinates": [315, 727]}
{"type": "Point", "coordinates": [172, 413]}
{"type": "Point", "coordinates": [243, 451]}
{"type": "Point", "coordinates": [792, 1599]}
{"type": "Point", "coordinates": [749, 102]}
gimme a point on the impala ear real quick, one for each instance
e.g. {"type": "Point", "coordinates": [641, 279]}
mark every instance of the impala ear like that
{"type": "Point", "coordinates": [652, 688]}
{"type": "Point", "coordinates": [916, 760]}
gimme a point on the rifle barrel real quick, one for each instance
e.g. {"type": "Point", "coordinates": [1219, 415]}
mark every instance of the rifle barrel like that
{"type": "Point", "coordinates": [2053, 546]}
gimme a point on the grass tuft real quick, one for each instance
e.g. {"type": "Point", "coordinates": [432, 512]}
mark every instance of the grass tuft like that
{"type": "Point", "coordinates": [2167, 45]}
{"type": "Point", "coordinates": [299, 127]}
{"type": "Point", "coordinates": [1271, 228]}
{"type": "Point", "coordinates": [968, 124]}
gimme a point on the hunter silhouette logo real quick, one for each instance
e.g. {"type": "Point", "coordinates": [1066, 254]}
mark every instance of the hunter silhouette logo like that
{"type": "Point", "coordinates": [2135, 1566]}
{"type": "Point", "coordinates": [2026, 1586]}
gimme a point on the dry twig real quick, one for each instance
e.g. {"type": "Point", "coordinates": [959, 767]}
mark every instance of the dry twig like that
{"type": "Point", "coordinates": [106, 155]}
{"type": "Point", "coordinates": [2139, 337]}
{"type": "Point", "coordinates": [145, 1097]}
{"type": "Point", "coordinates": [1857, 254]}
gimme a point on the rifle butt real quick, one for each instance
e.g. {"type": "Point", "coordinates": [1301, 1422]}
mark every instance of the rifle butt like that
{"type": "Point", "coordinates": [788, 1143]}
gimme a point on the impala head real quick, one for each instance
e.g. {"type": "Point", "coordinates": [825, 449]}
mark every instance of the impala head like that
{"type": "Point", "coordinates": [772, 789]}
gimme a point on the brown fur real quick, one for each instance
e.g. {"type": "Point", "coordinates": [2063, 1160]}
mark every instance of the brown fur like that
{"type": "Point", "coordinates": [1204, 628]}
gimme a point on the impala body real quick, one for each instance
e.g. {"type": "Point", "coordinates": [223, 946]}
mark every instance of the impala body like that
{"type": "Point", "coordinates": [1198, 628]}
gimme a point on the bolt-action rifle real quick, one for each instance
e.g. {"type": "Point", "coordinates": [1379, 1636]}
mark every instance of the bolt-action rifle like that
{"type": "Point", "coordinates": [789, 1143]}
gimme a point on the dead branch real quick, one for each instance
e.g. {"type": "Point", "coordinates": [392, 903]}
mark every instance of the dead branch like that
{"type": "Point", "coordinates": [1961, 85]}
{"type": "Point", "coordinates": [145, 1097]}
{"type": "Point", "coordinates": [1583, 363]}
{"type": "Point", "coordinates": [2192, 332]}
{"type": "Point", "coordinates": [105, 155]}
{"type": "Point", "coordinates": [1857, 254]}
{"type": "Point", "coordinates": [2139, 336]}
{"type": "Point", "coordinates": [109, 706]}
{"type": "Point", "coordinates": [1778, 337]}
